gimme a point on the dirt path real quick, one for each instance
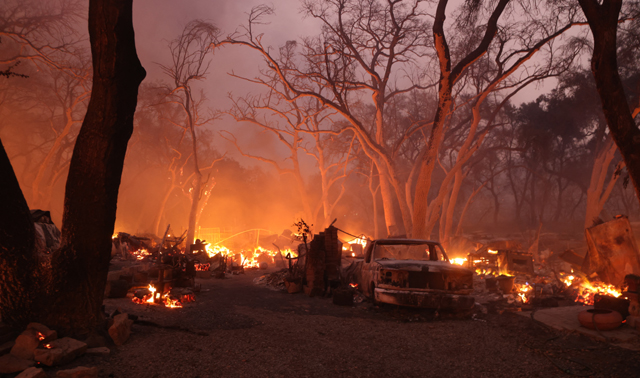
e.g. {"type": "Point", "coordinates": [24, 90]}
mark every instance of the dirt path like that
{"type": "Point", "coordinates": [238, 329]}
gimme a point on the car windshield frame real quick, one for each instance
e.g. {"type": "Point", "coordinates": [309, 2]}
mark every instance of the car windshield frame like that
{"type": "Point", "coordinates": [410, 251]}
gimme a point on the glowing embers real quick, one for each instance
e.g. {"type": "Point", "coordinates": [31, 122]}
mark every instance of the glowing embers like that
{"type": "Point", "coordinates": [585, 290]}
{"type": "Point", "coordinates": [205, 267]}
{"type": "Point", "coordinates": [165, 299]}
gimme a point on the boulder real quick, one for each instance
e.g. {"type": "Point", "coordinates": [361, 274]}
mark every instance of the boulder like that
{"type": "Point", "coordinates": [120, 329]}
{"type": "Point", "coordinates": [79, 372]}
{"type": "Point", "coordinates": [11, 364]}
{"type": "Point", "coordinates": [32, 372]}
{"type": "Point", "coordinates": [49, 357]}
{"type": "Point", "coordinates": [62, 351]}
{"type": "Point", "coordinates": [25, 344]}
{"type": "Point", "coordinates": [49, 335]}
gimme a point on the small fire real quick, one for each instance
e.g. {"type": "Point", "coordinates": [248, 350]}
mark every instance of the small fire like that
{"type": "Point", "coordinates": [40, 336]}
{"type": "Point", "coordinates": [141, 253]}
{"type": "Point", "coordinates": [155, 297]}
{"type": "Point", "coordinates": [114, 236]}
{"type": "Point", "coordinates": [354, 285]}
{"type": "Point", "coordinates": [353, 254]}
{"type": "Point", "coordinates": [524, 292]}
{"type": "Point", "coordinates": [459, 261]}
{"type": "Point", "coordinates": [493, 252]}
{"type": "Point", "coordinates": [48, 346]}
{"type": "Point", "coordinates": [171, 303]}
{"type": "Point", "coordinates": [588, 290]}
{"type": "Point", "coordinates": [569, 280]}
{"type": "Point", "coordinates": [151, 295]}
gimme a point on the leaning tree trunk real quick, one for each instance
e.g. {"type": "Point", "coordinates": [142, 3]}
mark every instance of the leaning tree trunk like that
{"type": "Point", "coordinates": [603, 21]}
{"type": "Point", "coordinates": [18, 284]}
{"type": "Point", "coordinates": [80, 266]}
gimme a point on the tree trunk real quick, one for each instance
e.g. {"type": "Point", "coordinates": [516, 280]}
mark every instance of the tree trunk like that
{"type": "Point", "coordinates": [193, 212]}
{"type": "Point", "coordinates": [603, 21]}
{"type": "Point", "coordinates": [18, 261]}
{"type": "Point", "coordinates": [597, 195]}
{"type": "Point", "coordinates": [80, 266]}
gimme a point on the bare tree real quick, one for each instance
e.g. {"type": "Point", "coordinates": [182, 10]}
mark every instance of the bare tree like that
{"type": "Point", "coordinates": [190, 63]}
{"type": "Point", "coordinates": [41, 32]}
{"type": "Point", "coordinates": [365, 49]}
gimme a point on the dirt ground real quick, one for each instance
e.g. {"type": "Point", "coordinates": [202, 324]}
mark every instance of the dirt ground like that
{"type": "Point", "coordinates": [239, 329]}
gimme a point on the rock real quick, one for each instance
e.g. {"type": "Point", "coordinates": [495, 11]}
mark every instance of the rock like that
{"type": "Point", "coordinates": [62, 351]}
{"type": "Point", "coordinates": [100, 351]}
{"type": "Point", "coordinates": [49, 357]}
{"type": "Point", "coordinates": [121, 329]}
{"type": "Point", "coordinates": [49, 335]}
{"type": "Point", "coordinates": [32, 372]}
{"type": "Point", "coordinates": [79, 372]}
{"type": "Point", "coordinates": [11, 364]}
{"type": "Point", "coordinates": [25, 344]}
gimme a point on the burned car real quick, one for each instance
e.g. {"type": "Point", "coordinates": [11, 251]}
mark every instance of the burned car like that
{"type": "Point", "coordinates": [416, 273]}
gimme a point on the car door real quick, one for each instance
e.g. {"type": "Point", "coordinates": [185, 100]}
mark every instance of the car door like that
{"type": "Point", "coordinates": [367, 272]}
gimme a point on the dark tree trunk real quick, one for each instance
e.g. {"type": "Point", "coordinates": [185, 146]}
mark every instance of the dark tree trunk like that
{"type": "Point", "coordinates": [18, 283]}
{"type": "Point", "coordinates": [80, 265]}
{"type": "Point", "coordinates": [603, 21]}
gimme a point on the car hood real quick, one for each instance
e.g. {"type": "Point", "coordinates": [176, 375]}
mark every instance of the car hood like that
{"type": "Point", "coordinates": [421, 265]}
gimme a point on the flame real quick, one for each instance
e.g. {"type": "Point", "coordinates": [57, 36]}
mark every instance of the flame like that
{"type": "Point", "coordinates": [569, 280]}
{"type": "Point", "coordinates": [171, 303]}
{"type": "Point", "coordinates": [141, 253]}
{"type": "Point", "coordinates": [248, 258]}
{"type": "Point", "coordinates": [151, 298]}
{"type": "Point", "coordinates": [155, 297]}
{"type": "Point", "coordinates": [48, 346]}
{"type": "Point", "coordinates": [458, 260]}
{"type": "Point", "coordinates": [493, 252]}
{"type": "Point", "coordinates": [353, 254]}
{"type": "Point", "coordinates": [354, 285]}
{"type": "Point", "coordinates": [114, 236]}
{"type": "Point", "coordinates": [40, 336]}
{"type": "Point", "coordinates": [524, 292]}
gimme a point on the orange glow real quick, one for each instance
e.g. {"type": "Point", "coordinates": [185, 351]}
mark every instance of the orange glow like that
{"type": "Point", "coordinates": [40, 336]}
{"type": "Point", "coordinates": [459, 261]}
{"type": "Point", "coordinates": [48, 346]}
{"type": "Point", "coordinates": [493, 252]}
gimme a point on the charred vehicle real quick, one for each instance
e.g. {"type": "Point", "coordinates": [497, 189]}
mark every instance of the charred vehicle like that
{"type": "Point", "coordinates": [414, 273]}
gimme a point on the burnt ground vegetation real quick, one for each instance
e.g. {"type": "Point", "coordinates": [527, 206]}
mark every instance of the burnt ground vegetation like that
{"type": "Point", "coordinates": [239, 329]}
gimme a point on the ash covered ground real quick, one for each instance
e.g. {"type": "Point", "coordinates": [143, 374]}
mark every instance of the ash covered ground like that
{"type": "Point", "coordinates": [237, 328]}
